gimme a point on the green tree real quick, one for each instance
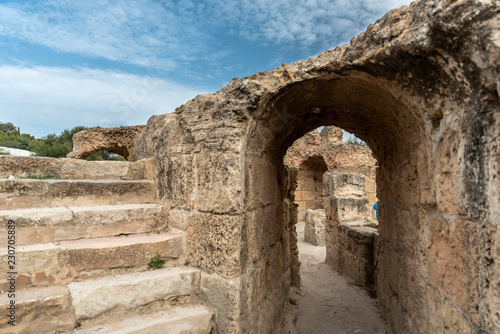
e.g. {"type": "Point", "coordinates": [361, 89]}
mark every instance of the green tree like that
{"type": "Point", "coordinates": [56, 146]}
{"type": "Point", "coordinates": [6, 127]}
{"type": "Point", "coordinates": [14, 139]}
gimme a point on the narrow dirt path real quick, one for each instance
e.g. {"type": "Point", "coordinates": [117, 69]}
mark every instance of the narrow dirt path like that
{"type": "Point", "coordinates": [328, 303]}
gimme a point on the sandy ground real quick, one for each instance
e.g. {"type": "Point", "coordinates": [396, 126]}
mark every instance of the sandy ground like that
{"type": "Point", "coordinates": [328, 303]}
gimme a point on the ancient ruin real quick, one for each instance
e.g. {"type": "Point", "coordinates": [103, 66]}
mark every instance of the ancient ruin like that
{"type": "Point", "coordinates": [420, 87]}
{"type": "Point", "coordinates": [119, 140]}
{"type": "Point", "coordinates": [315, 153]}
{"type": "Point", "coordinates": [350, 245]}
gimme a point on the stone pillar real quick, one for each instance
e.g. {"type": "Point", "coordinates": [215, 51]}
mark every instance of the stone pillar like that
{"type": "Point", "coordinates": [350, 247]}
{"type": "Point", "coordinates": [345, 197]}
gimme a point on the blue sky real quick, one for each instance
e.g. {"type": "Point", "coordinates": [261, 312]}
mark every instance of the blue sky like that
{"type": "Point", "coordinates": [65, 63]}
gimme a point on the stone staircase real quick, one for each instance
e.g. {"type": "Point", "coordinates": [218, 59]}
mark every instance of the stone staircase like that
{"type": "Point", "coordinates": [82, 249]}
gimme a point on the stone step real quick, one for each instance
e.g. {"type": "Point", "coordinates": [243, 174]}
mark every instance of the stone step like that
{"type": "Point", "coordinates": [51, 263]}
{"type": "Point", "coordinates": [23, 194]}
{"type": "Point", "coordinates": [38, 310]}
{"type": "Point", "coordinates": [92, 298]}
{"type": "Point", "coordinates": [86, 255]}
{"type": "Point", "coordinates": [176, 320]}
{"type": "Point", "coordinates": [22, 167]}
{"type": "Point", "coordinates": [42, 225]}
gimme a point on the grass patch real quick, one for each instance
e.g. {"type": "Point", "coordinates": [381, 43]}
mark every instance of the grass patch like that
{"type": "Point", "coordinates": [156, 262]}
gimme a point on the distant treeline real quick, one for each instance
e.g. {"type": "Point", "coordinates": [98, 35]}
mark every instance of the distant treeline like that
{"type": "Point", "coordinates": [52, 145]}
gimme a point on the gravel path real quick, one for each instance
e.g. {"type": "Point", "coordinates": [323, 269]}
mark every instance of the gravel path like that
{"type": "Point", "coordinates": [328, 303]}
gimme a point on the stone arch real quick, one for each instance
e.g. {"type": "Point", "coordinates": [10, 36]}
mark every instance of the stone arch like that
{"type": "Point", "coordinates": [420, 87]}
{"type": "Point", "coordinates": [118, 140]}
{"type": "Point", "coordinates": [355, 101]}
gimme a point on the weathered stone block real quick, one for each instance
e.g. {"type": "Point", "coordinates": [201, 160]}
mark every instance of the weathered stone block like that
{"type": "Point", "coordinates": [178, 218]}
{"type": "Point", "coordinates": [342, 183]}
{"type": "Point", "coordinates": [19, 194]}
{"type": "Point", "coordinates": [352, 253]}
{"type": "Point", "coordinates": [94, 297]}
{"type": "Point", "coordinates": [42, 225]}
{"type": "Point", "coordinates": [39, 310]}
{"type": "Point", "coordinates": [222, 294]}
{"type": "Point", "coordinates": [347, 209]}
{"type": "Point", "coordinates": [117, 252]}
{"type": "Point", "coordinates": [21, 167]}
{"type": "Point", "coordinates": [314, 229]}
{"type": "Point", "coordinates": [212, 243]}
{"type": "Point", "coordinates": [175, 320]}
{"type": "Point", "coordinates": [38, 264]}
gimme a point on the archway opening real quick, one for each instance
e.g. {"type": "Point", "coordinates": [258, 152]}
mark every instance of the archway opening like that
{"type": "Point", "coordinates": [309, 191]}
{"type": "Point", "coordinates": [363, 105]}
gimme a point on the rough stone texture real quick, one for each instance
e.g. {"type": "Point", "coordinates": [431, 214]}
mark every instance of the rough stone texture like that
{"type": "Point", "coordinates": [36, 265]}
{"type": "Point", "coordinates": [48, 264]}
{"type": "Point", "coordinates": [178, 219]}
{"type": "Point", "coordinates": [223, 294]}
{"type": "Point", "coordinates": [94, 297]}
{"type": "Point", "coordinates": [315, 153]}
{"type": "Point", "coordinates": [18, 194]}
{"type": "Point", "coordinates": [119, 140]}
{"type": "Point", "coordinates": [39, 310]}
{"type": "Point", "coordinates": [85, 255]}
{"type": "Point", "coordinates": [177, 320]}
{"type": "Point", "coordinates": [314, 229]}
{"type": "Point", "coordinates": [309, 192]}
{"type": "Point", "coordinates": [42, 225]}
{"type": "Point", "coordinates": [421, 88]}
{"type": "Point", "coordinates": [350, 247]}
{"type": "Point", "coordinates": [352, 252]}
{"type": "Point", "coordinates": [23, 167]}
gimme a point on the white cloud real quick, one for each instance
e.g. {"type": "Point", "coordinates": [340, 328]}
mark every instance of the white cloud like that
{"type": "Point", "coordinates": [300, 22]}
{"type": "Point", "coordinates": [174, 34]}
{"type": "Point", "coordinates": [138, 32]}
{"type": "Point", "coordinates": [194, 39]}
{"type": "Point", "coordinates": [43, 100]}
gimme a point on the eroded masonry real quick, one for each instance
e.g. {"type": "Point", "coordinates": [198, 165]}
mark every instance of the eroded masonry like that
{"type": "Point", "coordinates": [317, 152]}
{"type": "Point", "coordinates": [421, 87]}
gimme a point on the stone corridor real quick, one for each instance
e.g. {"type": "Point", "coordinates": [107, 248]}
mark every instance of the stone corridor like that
{"type": "Point", "coordinates": [329, 302]}
{"type": "Point", "coordinates": [420, 86]}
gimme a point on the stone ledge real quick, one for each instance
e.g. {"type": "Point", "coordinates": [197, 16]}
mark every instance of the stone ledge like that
{"type": "Point", "coordinates": [21, 194]}
{"type": "Point", "coordinates": [47, 264]}
{"type": "Point", "coordinates": [21, 167]}
{"type": "Point", "coordinates": [119, 252]}
{"type": "Point", "coordinates": [176, 320]}
{"type": "Point", "coordinates": [352, 252]}
{"type": "Point", "coordinates": [39, 310]}
{"type": "Point", "coordinates": [94, 297]}
{"type": "Point", "coordinates": [41, 225]}
{"type": "Point", "coordinates": [314, 229]}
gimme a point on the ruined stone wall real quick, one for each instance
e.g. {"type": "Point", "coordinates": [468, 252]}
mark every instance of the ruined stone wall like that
{"type": "Point", "coordinates": [309, 192]}
{"type": "Point", "coordinates": [420, 86]}
{"type": "Point", "coordinates": [350, 245]}
{"type": "Point", "coordinates": [316, 149]}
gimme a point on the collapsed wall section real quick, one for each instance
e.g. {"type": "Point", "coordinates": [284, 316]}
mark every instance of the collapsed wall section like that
{"type": "Point", "coordinates": [315, 153]}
